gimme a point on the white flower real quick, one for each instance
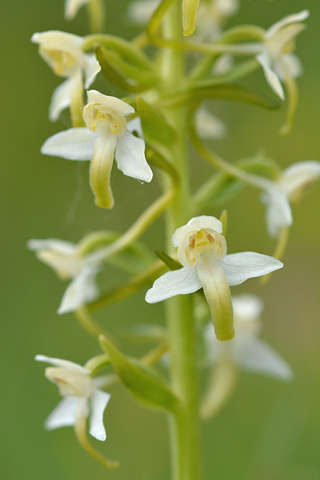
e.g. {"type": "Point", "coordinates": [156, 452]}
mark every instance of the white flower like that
{"type": "Point", "coordinates": [212, 15]}
{"type": "Point", "coordinates": [62, 52]}
{"type": "Point", "coordinates": [141, 11]}
{"type": "Point", "coordinates": [290, 187]}
{"type": "Point", "coordinates": [71, 8]}
{"type": "Point", "coordinates": [81, 397]}
{"type": "Point", "coordinates": [105, 137]}
{"type": "Point", "coordinates": [65, 260]}
{"type": "Point", "coordinates": [277, 59]}
{"type": "Point", "coordinates": [208, 126]}
{"type": "Point", "coordinates": [246, 350]}
{"type": "Point", "coordinates": [202, 251]}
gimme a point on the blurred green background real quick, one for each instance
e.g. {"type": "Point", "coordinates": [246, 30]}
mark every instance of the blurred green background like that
{"type": "Point", "coordinates": [269, 430]}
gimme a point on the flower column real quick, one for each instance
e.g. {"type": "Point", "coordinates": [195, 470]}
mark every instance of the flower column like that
{"type": "Point", "coordinates": [185, 425]}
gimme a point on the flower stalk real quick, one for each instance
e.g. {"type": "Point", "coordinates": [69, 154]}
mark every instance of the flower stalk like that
{"type": "Point", "coordinates": [184, 425]}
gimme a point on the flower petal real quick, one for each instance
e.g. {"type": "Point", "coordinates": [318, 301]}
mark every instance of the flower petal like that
{"type": "Point", "coordinates": [113, 103]}
{"type": "Point", "coordinates": [59, 362]}
{"type": "Point", "coordinates": [64, 415]}
{"type": "Point", "coordinates": [291, 64]}
{"type": "Point", "coordinates": [131, 159]}
{"type": "Point", "coordinates": [140, 11]}
{"type": "Point", "coordinates": [293, 18]}
{"type": "Point", "coordinates": [80, 291]}
{"type": "Point", "coordinates": [177, 282]}
{"type": "Point", "coordinates": [208, 125]}
{"type": "Point", "coordinates": [100, 169]}
{"type": "Point", "coordinates": [298, 176]}
{"type": "Point", "coordinates": [99, 401]}
{"type": "Point", "coordinates": [271, 77]}
{"type": "Point", "coordinates": [248, 307]}
{"type": "Point", "coordinates": [255, 355]}
{"type": "Point", "coordinates": [278, 212]}
{"type": "Point", "coordinates": [91, 69]}
{"type": "Point", "coordinates": [194, 225]}
{"type": "Point", "coordinates": [72, 144]}
{"type": "Point", "coordinates": [59, 255]}
{"type": "Point", "coordinates": [54, 244]}
{"type": "Point", "coordinates": [71, 8]}
{"type": "Point", "coordinates": [239, 267]}
{"type": "Point", "coordinates": [60, 100]}
{"type": "Point", "coordinates": [134, 125]}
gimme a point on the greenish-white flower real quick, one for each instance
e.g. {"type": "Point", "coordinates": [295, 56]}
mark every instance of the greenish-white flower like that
{"type": "Point", "coordinates": [71, 8]}
{"type": "Point", "coordinates": [202, 250]}
{"type": "Point", "coordinates": [290, 187]}
{"type": "Point", "coordinates": [81, 397]}
{"type": "Point", "coordinates": [208, 126]}
{"type": "Point", "coordinates": [140, 11]}
{"type": "Point", "coordinates": [277, 58]}
{"type": "Point", "coordinates": [62, 52]}
{"type": "Point", "coordinates": [246, 351]}
{"type": "Point", "coordinates": [65, 260]}
{"type": "Point", "coordinates": [104, 138]}
{"type": "Point", "coordinates": [211, 16]}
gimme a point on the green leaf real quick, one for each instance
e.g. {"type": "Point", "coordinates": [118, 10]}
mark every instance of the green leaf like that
{"type": "Point", "coordinates": [236, 93]}
{"type": "Point", "coordinates": [154, 125]}
{"type": "Point", "coordinates": [221, 187]}
{"type": "Point", "coordinates": [145, 387]}
{"type": "Point", "coordinates": [124, 76]}
{"type": "Point", "coordinates": [233, 93]}
{"type": "Point", "coordinates": [126, 50]}
{"type": "Point", "coordinates": [169, 261]}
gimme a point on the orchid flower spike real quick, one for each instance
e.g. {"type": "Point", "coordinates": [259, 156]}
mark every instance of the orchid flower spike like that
{"type": "Point", "coordinates": [105, 136]}
{"type": "Point", "coordinates": [81, 397]}
{"type": "Point", "coordinates": [62, 52]}
{"type": "Point", "coordinates": [65, 260]}
{"type": "Point", "coordinates": [71, 8]}
{"type": "Point", "coordinates": [246, 350]}
{"type": "Point", "coordinates": [202, 250]}
{"type": "Point", "coordinates": [277, 60]}
{"type": "Point", "coordinates": [292, 184]}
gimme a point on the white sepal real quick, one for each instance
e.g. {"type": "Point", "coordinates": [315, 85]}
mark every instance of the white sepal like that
{"type": "Point", "coordinates": [60, 99]}
{"type": "Point", "coordinates": [64, 415]}
{"type": "Point", "coordinates": [131, 159]}
{"type": "Point", "coordinates": [72, 144]}
{"type": "Point", "coordinates": [81, 290]}
{"type": "Point", "coordinates": [255, 355]}
{"type": "Point", "coordinates": [239, 267]}
{"type": "Point", "coordinates": [177, 282]}
{"type": "Point", "coordinates": [99, 401]}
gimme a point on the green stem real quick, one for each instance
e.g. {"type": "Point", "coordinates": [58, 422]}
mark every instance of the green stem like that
{"type": "Point", "coordinates": [88, 323]}
{"type": "Point", "coordinates": [185, 437]}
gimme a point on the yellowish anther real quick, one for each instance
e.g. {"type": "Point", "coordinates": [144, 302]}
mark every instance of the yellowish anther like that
{"type": "Point", "coordinates": [203, 241]}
